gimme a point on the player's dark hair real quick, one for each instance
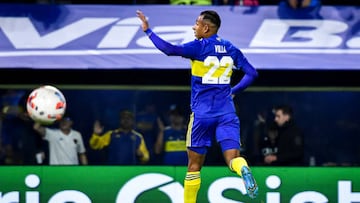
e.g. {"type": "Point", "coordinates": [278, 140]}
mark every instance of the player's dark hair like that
{"type": "Point", "coordinates": [286, 109]}
{"type": "Point", "coordinates": [126, 112]}
{"type": "Point", "coordinates": [212, 16]}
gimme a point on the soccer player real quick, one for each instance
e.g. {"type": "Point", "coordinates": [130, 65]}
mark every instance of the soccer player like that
{"type": "Point", "coordinates": [213, 112]}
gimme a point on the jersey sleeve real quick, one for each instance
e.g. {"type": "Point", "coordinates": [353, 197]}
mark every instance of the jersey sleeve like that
{"type": "Point", "coordinates": [98, 142]}
{"type": "Point", "coordinates": [145, 152]}
{"type": "Point", "coordinates": [191, 49]}
{"type": "Point", "coordinates": [80, 145]}
{"type": "Point", "coordinates": [49, 134]}
{"type": "Point", "coordinates": [242, 63]}
{"type": "Point", "coordinates": [164, 46]}
{"type": "Point", "coordinates": [187, 50]}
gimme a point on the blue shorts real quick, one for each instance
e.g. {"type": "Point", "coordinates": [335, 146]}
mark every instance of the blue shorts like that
{"type": "Point", "coordinates": [201, 131]}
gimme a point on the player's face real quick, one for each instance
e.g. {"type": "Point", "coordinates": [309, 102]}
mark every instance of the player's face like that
{"type": "Point", "coordinates": [65, 125]}
{"type": "Point", "coordinates": [176, 119]}
{"type": "Point", "coordinates": [281, 118]}
{"type": "Point", "coordinates": [127, 122]}
{"type": "Point", "coordinates": [199, 27]}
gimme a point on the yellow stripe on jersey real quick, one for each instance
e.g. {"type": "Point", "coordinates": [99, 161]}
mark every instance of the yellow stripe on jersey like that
{"type": "Point", "coordinates": [188, 134]}
{"type": "Point", "coordinates": [199, 69]}
{"type": "Point", "coordinates": [175, 146]}
{"type": "Point", "coordinates": [142, 147]}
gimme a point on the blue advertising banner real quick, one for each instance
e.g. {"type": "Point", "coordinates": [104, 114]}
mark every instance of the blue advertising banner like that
{"type": "Point", "coordinates": [110, 36]}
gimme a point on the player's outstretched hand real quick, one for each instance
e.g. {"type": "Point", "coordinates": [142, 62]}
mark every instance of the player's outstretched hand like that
{"type": "Point", "coordinates": [142, 17]}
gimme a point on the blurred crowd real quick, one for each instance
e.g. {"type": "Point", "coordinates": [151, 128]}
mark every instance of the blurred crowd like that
{"type": "Point", "coordinates": [144, 137]}
{"type": "Point", "coordinates": [292, 3]}
{"type": "Point", "coordinates": [147, 136]}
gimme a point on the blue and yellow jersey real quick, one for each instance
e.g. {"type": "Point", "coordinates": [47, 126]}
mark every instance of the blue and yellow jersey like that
{"type": "Point", "coordinates": [122, 146]}
{"type": "Point", "coordinates": [146, 125]}
{"type": "Point", "coordinates": [175, 147]}
{"type": "Point", "coordinates": [212, 63]}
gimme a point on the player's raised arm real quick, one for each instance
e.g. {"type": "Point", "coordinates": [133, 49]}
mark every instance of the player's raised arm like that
{"type": "Point", "coordinates": [39, 129]}
{"type": "Point", "coordinates": [142, 17]}
{"type": "Point", "coordinates": [164, 46]}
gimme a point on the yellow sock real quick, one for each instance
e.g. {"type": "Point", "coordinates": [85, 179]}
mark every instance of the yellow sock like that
{"type": "Point", "coordinates": [191, 186]}
{"type": "Point", "coordinates": [237, 163]}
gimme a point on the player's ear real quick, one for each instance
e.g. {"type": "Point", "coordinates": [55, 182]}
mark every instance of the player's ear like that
{"type": "Point", "coordinates": [206, 28]}
{"type": "Point", "coordinates": [287, 117]}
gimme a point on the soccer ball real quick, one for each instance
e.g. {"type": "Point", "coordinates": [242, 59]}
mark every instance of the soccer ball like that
{"type": "Point", "coordinates": [46, 104]}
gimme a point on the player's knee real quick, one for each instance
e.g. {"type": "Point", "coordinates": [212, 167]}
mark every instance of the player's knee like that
{"type": "Point", "coordinates": [194, 167]}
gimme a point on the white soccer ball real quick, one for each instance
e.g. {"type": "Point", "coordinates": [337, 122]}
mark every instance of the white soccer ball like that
{"type": "Point", "coordinates": [46, 104]}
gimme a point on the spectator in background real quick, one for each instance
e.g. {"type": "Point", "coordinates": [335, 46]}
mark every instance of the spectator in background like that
{"type": "Point", "coordinates": [151, 1]}
{"type": "Point", "coordinates": [269, 142]}
{"type": "Point", "coordinates": [249, 2]}
{"type": "Point", "coordinates": [171, 141]}
{"type": "Point", "coordinates": [236, 2]}
{"type": "Point", "coordinates": [296, 4]}
{"type": "Point", "coordinates": [32, 145]}
{"type": "Point", "coordinates": [299, 9]}
{"type": "Point", "coordinates": [225, 2]}
{"type": "Point", "coordinates": [191, 2]}
{"type": "Point", "coordinates": [66, 146]}
{"type": "Point", "coordinates": [148, 123]}
{"type": "Point", "coordinates": [290, 140]}
{"type": "Point", "coordinates": [21, 142]}
{"type": "Point", "coordinates": [259, 134]}
{"type": "Point", "coordinates": [124, 145]}
{"type": "Point", "coordinates": [11, 125]}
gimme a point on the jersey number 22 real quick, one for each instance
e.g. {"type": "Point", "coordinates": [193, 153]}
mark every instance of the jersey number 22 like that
{"type": "Point", "coordinates": [219, 71]}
